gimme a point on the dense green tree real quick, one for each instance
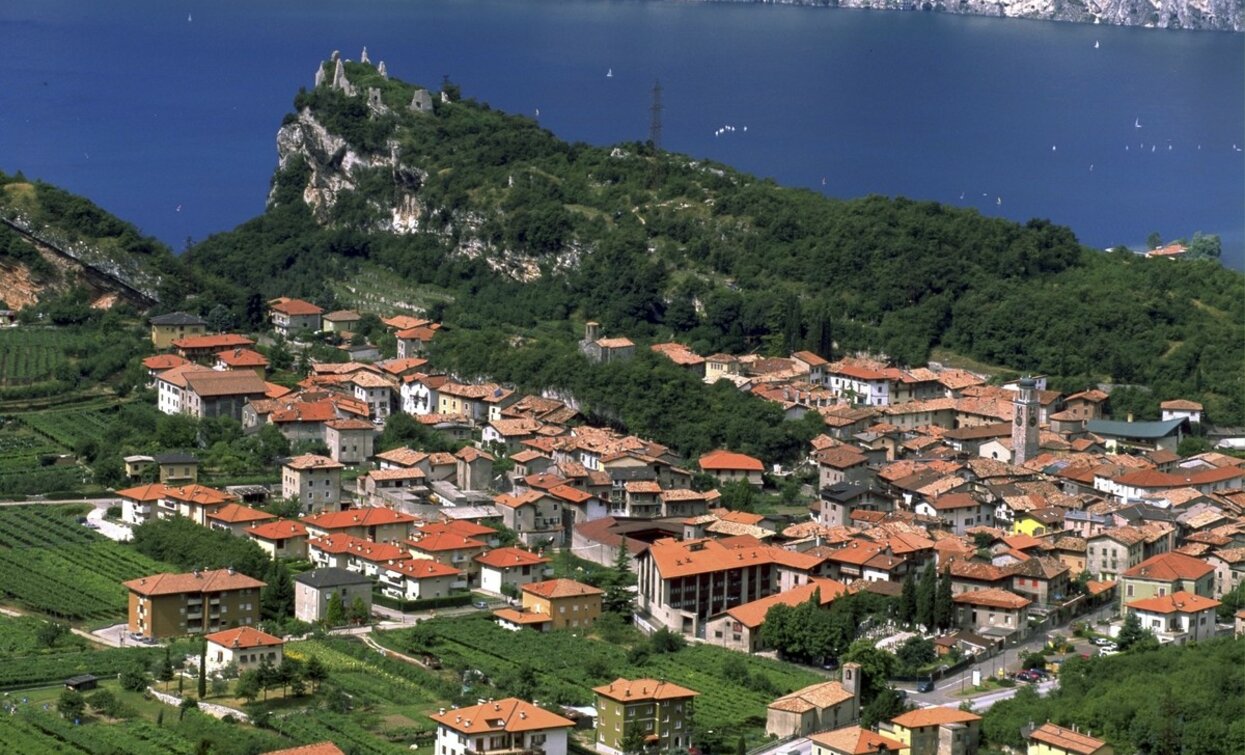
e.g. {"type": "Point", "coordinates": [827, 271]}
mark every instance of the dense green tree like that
{"type": "Point", "coordinates": [70, 704]}
{"type": "Point", "coordinates": [1131, 632]}
{"type": "Point", "coordinates": [925, 595]}
{"type": "Point", "coordinates": [944, 605]}
{"type": "Point", "coordinates": [181, 542]}
{"type": "Point", "coordinates": [907, 600]}
{"type": "Point", "coordinates": [276, 599]}
{"type": "Point", "coordinates": [335, 611]}
{"type": "Point", "coordinates": [876, 668]}
{"type": "Point", "coordinates": [619, 596]}
{"type": "Point", "coordinates": [316, 672]}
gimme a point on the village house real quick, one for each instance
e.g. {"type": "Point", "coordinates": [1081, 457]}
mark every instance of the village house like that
{"type": "Point", "coordinates": [1167, 574]}
{"type": "Point", "coordinates": [313, 590]}
{"type": "Point", "coordinates": [161, 363]}
{"type": "Point", "coordinates": [1178, 618]}
{"type": "Point", "coordinates": [294, 317]}
{"type": "Point", "coordinates": [340, 321]}
{"type": "Point", "coordinates": [353, 554]}
{"type": "Point", "coordinates": [662, 712]}
{"type": "Point", "coordinates": [194, 502]}
{"type": "Point", "coordinates": [389, 487]}
{"type": "Point", "coordinates": [501, 727]}
{"type": "Point", "coordinates": [535, 516]}
{"type": "Point", "coordinates": [936, 731]}
{"type": "Point", "coordinates": [841, 464]}
{"type": "Point", "coordinates": [242, 648]}
{"type": "Point", "coordinates": [165, 329]}
{"type": "Point", "coordinates": [420, 393]}
{"type": "Point", "coordinates": [1113, 551]}
{"type": "Point", "coordinates": [242, 359]}
{"type": "Point", "coordinates": [682, 356]}
{"type": "Point", "coordinates": [1229, 566]}
{"type": "Point", "coordinates": [992, 612]}
{"type": "Point", "coordinates": [1182, 409]}
{"type": "Point", "coordinates": [139, 503]}
{"type": "Point", "coordinates": [418, 579]}
{"type": "Point", "coordinates": [171, 605]}
{"type": "Point", "coordinates": [473, 469]}
{"type": "Point", "coordinates": [853, 740]}
{"type": "Point", "coordinates": [1051, 739]}
{"type": "Point", "coordinates": [450, 549]}
{"type": "Point", "coordinates": [501, 568]}
{"type": "Point", "coordinates": [726, 466]}
{"type": "Point", "coordinates": [479, 403]}
{"type": "Point", "coordinates": [378, 525]}
{"type": "Point", "coordinates": [1120, 437]}
{"type": "Point", "coordinates": [374, 391]}
{"type": "Point", "coordinates": [958, 511]}
{"type": "Point", "coordinates": [859, 384]}
{"type": "Point", "coordinates": [414, 341]}
{"type": "Point", "coordinates": [349, 441]}
{"type": "Point", "coordinates": [739, 628]}
{"type": "Point", "coordinates": [554, 604]}
{"type": "Point", "coordinates": [818, 707]}
{"type": "Point", "coordinates": [283, 538]}
{"type": "Point", "coordinates": [203, 349]}
{"type": "Point", "coordinates": [316, 482]}
{"type": "Point", "coordinates": [236, 518]}
{"type": "Point", "coordinates": [213, 393]}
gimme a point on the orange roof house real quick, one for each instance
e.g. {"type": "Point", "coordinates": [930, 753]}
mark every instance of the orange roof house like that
{"type": "Point", "coordinates": [854, 740]}
{"type": "Point", "coordinates": [1061, 739]}
{"type": "Point", "coordinates": [725, 460]}
{"type": "Point", "coordinates": [507, 716]}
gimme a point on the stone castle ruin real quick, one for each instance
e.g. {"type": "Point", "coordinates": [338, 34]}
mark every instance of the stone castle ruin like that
{"type": "Point", "coordinates": [421, 101]}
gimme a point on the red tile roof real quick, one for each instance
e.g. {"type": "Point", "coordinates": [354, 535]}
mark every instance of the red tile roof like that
{"type": "Point", "coordinates": [218, 342]}
{"type": "Point", "coordinates": [726, 460]}
{"type": "Point", "coordinates": [295, 307]}
{"type": "Point", "coordinates": [216, 580]}
{"type": "Point", "coordinates": [1067, 740]}
{"type": "Point", "coordinates": [367, 516]}
{"type": "Point", "coordinates": [243, 638]}
{"type": "Point", "coordinates": [152, 492]}
{"type": "Point", "coordinates": [561, 588]}
{"type": "Point", "coordinates": [993, 598]}
{"type": "Point", "coordinates": [1169, 567]}
{"type": "Point", "coordinates": [312, 461]}
{"type": "Point", "coordinates": [631, 690]}
{"type": "Point", "coordinates": [502, 558]}
{"type": "Point", "coordinates": [233, 513]}
{"type": "Point", "coordinates": [278, 530]}
{"type": "Point", "coordinates": [509, 715]}
{"type": "Point", "coordinates": [422, 568]}
{"type": "Point", "coordinates": [1177, 602]}
{"type": "Point", "coordinates": [854, 740]}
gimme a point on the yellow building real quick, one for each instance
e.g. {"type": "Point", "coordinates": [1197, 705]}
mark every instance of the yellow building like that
{"type": "Point", "coordinates": [1038, 522]}
{"type": "Point", "coordinates": [1049, 739]}
{"type": "Point", "coordinates": [568, 603]}
{"type": "Point", "coordinates": [171, 605]}
{"type": "Point", "coordinates": [937, 731]}
{"type": "Point", "coordinates": [165, 329]}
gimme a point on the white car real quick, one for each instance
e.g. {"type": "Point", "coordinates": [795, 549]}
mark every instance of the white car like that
{"type": "Point", "coordinates": [1102, 641]}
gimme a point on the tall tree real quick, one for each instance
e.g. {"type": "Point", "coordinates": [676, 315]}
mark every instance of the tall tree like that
{"type": "Point", "coordinates": [907, 600]}
{"type": "Point", "coordinates": [316, 672]}
{"type": "Point", "coordinates": [944, 606]}
{"type": "Point", "coordinates": [335, 612]}
{"type": "Point", "coordinates": [619, 598]}
{"type": "Point", "coordinates": [925, 596]}
{"type": "Point", "coordinates": [203, 671]}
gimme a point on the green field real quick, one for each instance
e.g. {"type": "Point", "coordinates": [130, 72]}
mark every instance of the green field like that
{"type": "Point", "coordinates": [69, 427]}
{"type": "Point", "coordinates": [383, 292]}
{"type": "Point", "coordinates": [51, 564]}
{"type": "Point", "coordinates": [31, 356]}
{"type": "Point", "coordinates": [569, 666]}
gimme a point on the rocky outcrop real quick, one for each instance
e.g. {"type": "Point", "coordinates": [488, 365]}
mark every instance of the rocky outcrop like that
{"type": "Point", "coordinates": [336, 168]}
{"type": "Point", "coordinates": [1223, 15]}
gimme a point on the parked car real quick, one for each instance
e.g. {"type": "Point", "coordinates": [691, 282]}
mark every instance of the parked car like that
{"type": "Point", "coordinates": [925, 686]}
{"type": "Point", "coordinates": [830, 664]}
{"type": "Point", "coordinates": [481, 604]}
{"type": "Point", "coordinates": [1102, 641]}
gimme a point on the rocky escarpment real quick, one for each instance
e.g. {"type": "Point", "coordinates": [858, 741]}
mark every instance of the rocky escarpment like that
{"type": "Point", "coordinates": [1222, 15]}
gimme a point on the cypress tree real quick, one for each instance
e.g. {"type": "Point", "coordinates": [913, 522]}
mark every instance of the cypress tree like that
{"type": "Point", "coordinates": [925, 596]}
{"type": "Point", "coordinates": [907, 600]}
{"type": "Point", "coordinates": [944, 607]}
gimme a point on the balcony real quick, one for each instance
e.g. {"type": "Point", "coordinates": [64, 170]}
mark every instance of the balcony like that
{"type": "Point", "coordinates": [508, 751]}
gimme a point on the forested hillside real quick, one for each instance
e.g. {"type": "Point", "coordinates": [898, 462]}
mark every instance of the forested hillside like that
{"type": "Point", "coordinates": [516, 228]}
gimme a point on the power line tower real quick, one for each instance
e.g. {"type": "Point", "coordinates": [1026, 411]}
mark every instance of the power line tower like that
{"type": "Point", "coordinates": [654, 124]}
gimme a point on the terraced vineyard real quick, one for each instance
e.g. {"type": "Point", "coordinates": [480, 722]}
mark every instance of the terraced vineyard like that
{"type": "Point", "coordinates": [51, 564]}
{"type": "Point", "coordinates": [30, 356]}
{"type": "Point", "coordinates": [68, 427]}
{"type": "Point", "coordinates": [27, 462]}
{"type": "Point", "coordinates": [569, 666]}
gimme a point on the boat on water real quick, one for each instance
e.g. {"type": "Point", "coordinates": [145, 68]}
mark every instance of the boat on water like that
{"type": "Point", "coordinates": [609, 74]}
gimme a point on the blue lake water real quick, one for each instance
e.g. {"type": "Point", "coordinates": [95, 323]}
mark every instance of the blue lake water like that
{"type": "Point", "coordinates": [165, 112]}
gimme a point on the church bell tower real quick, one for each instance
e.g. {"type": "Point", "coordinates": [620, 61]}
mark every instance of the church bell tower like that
{"type": "Point", "coordinates": [1025, 423]}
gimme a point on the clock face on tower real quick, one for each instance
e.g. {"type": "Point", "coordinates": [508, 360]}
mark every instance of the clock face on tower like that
{"type": "Point", "coordinates": [1032, 421]}
{"type": "Point", "coordinates": [1020, 416]}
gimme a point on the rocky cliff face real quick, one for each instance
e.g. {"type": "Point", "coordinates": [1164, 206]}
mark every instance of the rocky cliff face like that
{"type": "Point", "coordinates": [337, 168]}
{"type": "Point", "coordinates": [1224, 15]}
